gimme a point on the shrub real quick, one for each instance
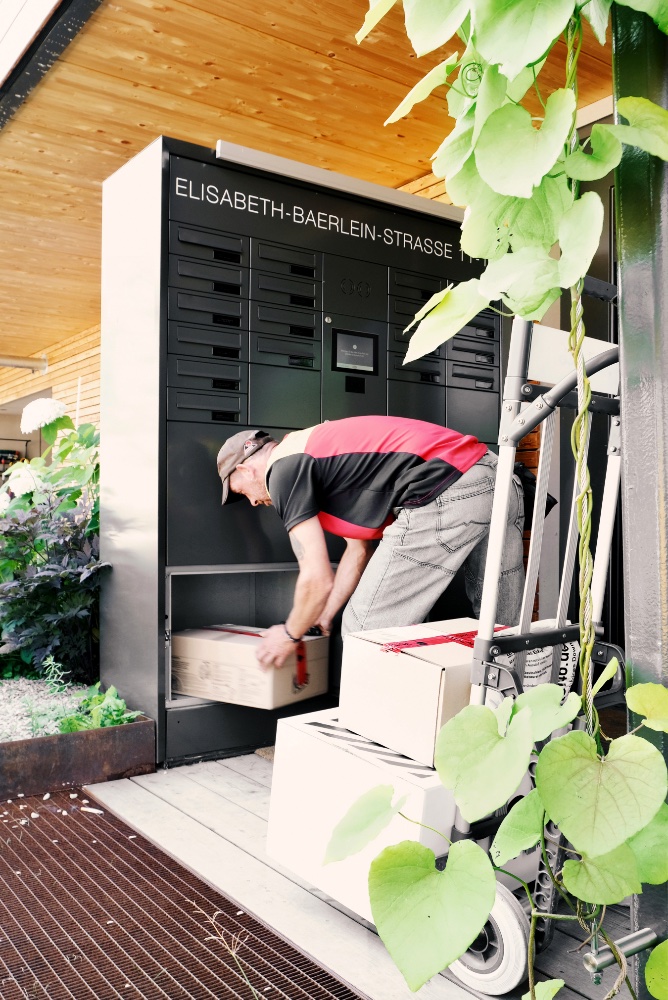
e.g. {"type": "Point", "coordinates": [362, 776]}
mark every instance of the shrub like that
{"type": "Point", "coordinates": [49, 553]}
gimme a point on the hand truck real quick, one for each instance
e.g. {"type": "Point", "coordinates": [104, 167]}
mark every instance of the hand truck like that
{"type": "Point", "coordinates": [497, 960]}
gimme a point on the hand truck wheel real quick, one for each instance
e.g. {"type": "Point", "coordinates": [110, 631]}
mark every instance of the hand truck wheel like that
{"type": "Point", "coordinates": [497, 961]}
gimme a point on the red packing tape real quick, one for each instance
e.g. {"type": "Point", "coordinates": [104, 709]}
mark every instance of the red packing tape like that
{"type": "Point", "coordinates": [462, 638]}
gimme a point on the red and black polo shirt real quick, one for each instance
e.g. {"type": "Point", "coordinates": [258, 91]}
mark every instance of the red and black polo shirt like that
{"type": "Point", "coordinates": [352, 473]}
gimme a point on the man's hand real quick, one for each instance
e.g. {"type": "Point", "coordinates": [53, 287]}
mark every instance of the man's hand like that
{"type": "Point", "coordinates": [275, 648]}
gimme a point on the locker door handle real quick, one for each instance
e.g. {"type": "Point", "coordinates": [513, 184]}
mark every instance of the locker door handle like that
{"type": "Point", "coordinates": [300, 360]}
{"type": "Point", "coordinates": [430, 377]}
{"type": "Point", "coordinates": [480, 383]}
{"type": "Point", "coordinates": [481, 359]}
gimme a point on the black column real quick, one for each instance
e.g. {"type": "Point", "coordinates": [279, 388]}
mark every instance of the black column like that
{"type": "Point", "coordinates": [641, 70]}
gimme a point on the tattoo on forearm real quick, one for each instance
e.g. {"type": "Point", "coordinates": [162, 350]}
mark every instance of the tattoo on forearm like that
{"type": "Point", "coordinates": [297, 548]}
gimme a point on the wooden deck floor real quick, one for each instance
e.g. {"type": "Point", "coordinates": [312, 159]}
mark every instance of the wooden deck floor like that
{"type": "Point", "coordinates": [212, 818]}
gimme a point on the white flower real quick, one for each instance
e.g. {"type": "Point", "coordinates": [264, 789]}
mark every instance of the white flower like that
{"type": "Point", "coordinates": [4, 503]}
{"type": "Point", "coordinates": [22, 479]}
{"type": "Point", "coordinates": [39, 413]}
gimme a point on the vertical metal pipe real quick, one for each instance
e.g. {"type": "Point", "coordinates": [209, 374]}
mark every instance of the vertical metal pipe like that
{"type": "Point", "coordinates": [641, 70]}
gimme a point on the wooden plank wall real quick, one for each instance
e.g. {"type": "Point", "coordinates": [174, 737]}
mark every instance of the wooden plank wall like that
{"type": "Point", "coordinates": [76, 358]}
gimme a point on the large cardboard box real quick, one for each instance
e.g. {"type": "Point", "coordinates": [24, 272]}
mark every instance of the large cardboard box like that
{"type": "Point", "coordinates": [218, 662]}
{"type": "Point", "coordinates": [402, 699]}
{"type": "Point", "coordinates": [320, 770]}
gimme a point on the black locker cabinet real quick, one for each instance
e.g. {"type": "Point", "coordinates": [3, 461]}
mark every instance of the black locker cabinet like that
{"type": "Point", "coordinates": [241, 290]}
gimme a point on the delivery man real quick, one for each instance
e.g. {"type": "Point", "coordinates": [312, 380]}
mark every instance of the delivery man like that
{"type": "Point", "coordinates": [422, 491]}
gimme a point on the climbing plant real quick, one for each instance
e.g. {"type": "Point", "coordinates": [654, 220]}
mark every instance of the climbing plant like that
{"type": "Point", "coordinates": [518, 177]}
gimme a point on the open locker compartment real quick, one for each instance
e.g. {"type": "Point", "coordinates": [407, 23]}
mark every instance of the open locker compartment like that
{"type": "Point", "coordinates": [244, 595]}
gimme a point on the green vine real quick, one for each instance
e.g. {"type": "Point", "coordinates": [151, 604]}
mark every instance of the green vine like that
{"type": "Point", "coordinates": [520, 186]}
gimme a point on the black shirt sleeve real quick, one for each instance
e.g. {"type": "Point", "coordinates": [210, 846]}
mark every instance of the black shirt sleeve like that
{"type": "Point", "coordinates": [293, 488]}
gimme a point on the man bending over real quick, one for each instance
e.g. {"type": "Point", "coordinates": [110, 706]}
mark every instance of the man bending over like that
{"type": "Point", "coordinates": [424, 491]}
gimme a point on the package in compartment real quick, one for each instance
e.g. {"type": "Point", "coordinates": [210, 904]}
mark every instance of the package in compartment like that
{"type": "Point", "coordinates": [402, 696]}
{"type": "Point", "coordinates": [320, 770]}
{"type": "Point", "coordinates": [219, 663]}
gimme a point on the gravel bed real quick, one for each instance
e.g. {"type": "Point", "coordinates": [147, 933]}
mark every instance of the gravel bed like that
{"type": "Point", "coordinates": [29, 708]}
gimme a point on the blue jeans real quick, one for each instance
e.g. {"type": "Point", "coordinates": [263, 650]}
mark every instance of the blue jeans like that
{"type": "Point", "coordinates": [421, 551]}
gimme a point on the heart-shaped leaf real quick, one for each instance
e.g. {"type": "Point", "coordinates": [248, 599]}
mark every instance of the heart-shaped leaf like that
{"type": "Point", "coordinates": [606, 879]}
{"type": "Point", "coordinates": [497, 223]}
{"type": "Point", "coordinates": [579, 237]}
{"type": "Point", "coordinates": [456, 308]}
{"type": "Point", "coordinates": [545, 990]}
{"type": "Point", "coordinates": [650, 700]}
{"type": "Point", "coordinates": [547, 712]}
{"type": "Point", "coordinates": [647, 128]}
{"type": "Point", "coordinates": [512, 156]}
{"type": "Point", "coordinates": [656, 972]}
{"type": "Point", "coordinates": [372, 812]}
{"type": "Point", "coordinates": [520, 830]}
{"type": "Point", "coordinates": [606, 152]}
{"type": "Point", "coordinates": [516, 33]}
{"type": "Point", "coordinates": [426, 918]}
{"type": "Point", "coordinates": [432, 23]}
{"type": "Point", "coordinates": [597, 13]}
{"type": "Point", "coordinates": [436, 77]}
{"type": "Point", "coordinates": [377, 10]}
{"type": "Point", "coordinates": [650, 847]}
{"type": "Point", "coordinates": [528, 281]}
{"type": "Point", "coordinates": [482, 768]}
{"type": "Point", "coordinates": [598, 803]}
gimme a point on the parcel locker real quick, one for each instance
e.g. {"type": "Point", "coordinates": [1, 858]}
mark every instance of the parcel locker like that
{"type": "Point", "coordinates": [241, 291]}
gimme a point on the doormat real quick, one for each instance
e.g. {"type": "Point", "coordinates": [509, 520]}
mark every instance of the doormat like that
{"type": "Point", "coordinates": [92, 911]}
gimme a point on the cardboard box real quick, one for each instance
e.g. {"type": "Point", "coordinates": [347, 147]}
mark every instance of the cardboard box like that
{"type": "Point", "coordinates": [402, 699]}
{"type": "Point", "coordinates": [218, 663]}
{"type": "Point", "coordinates": [320, 770]}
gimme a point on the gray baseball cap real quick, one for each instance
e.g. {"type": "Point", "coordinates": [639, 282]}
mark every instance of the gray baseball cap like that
{"type": "Point", "coordinates": [236, 450]}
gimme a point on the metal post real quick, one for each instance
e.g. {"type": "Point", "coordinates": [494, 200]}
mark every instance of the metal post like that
{"type": "Point", "coordinates": [641, 70]}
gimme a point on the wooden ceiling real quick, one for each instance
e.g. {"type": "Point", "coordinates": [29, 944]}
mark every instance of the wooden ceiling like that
{"type": "Point", "coordinates": [283, 76]}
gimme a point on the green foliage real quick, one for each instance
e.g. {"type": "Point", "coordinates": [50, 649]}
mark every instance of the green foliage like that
{"type": "Point", "coordinates": [656, 972]}
{"type": "Point", "coordinates": [481, 767]}
{"type": "Point", "coordinates": [606, 879]}
{"type": "Point", "coordinates": [456, 306]}
{"type": "Point", "coordinates": [49, 555]}
{"type": "Point", "coordinates": [650, 848]}
{"type": "Point", "coordinates": [520, 830]}
{"type": "Point", "coordinates": [363, 822]}
{"type": "Point", "coordinates": [547, 712]}
{"type": "Point", "coordinates": [447, 909]}
{"type": "Point", "coordinates": [650, 700]}
{"type": "Point", "coordinates": [98, 710]}
{"type": "Point", "coordinates": [546, 990]}
{"type": "Point", "coordinates": [512, 156]}
{"type": "Point", "coordinates": [599, 802]}
{"type": "Point", "coordinates": [518, 174]}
